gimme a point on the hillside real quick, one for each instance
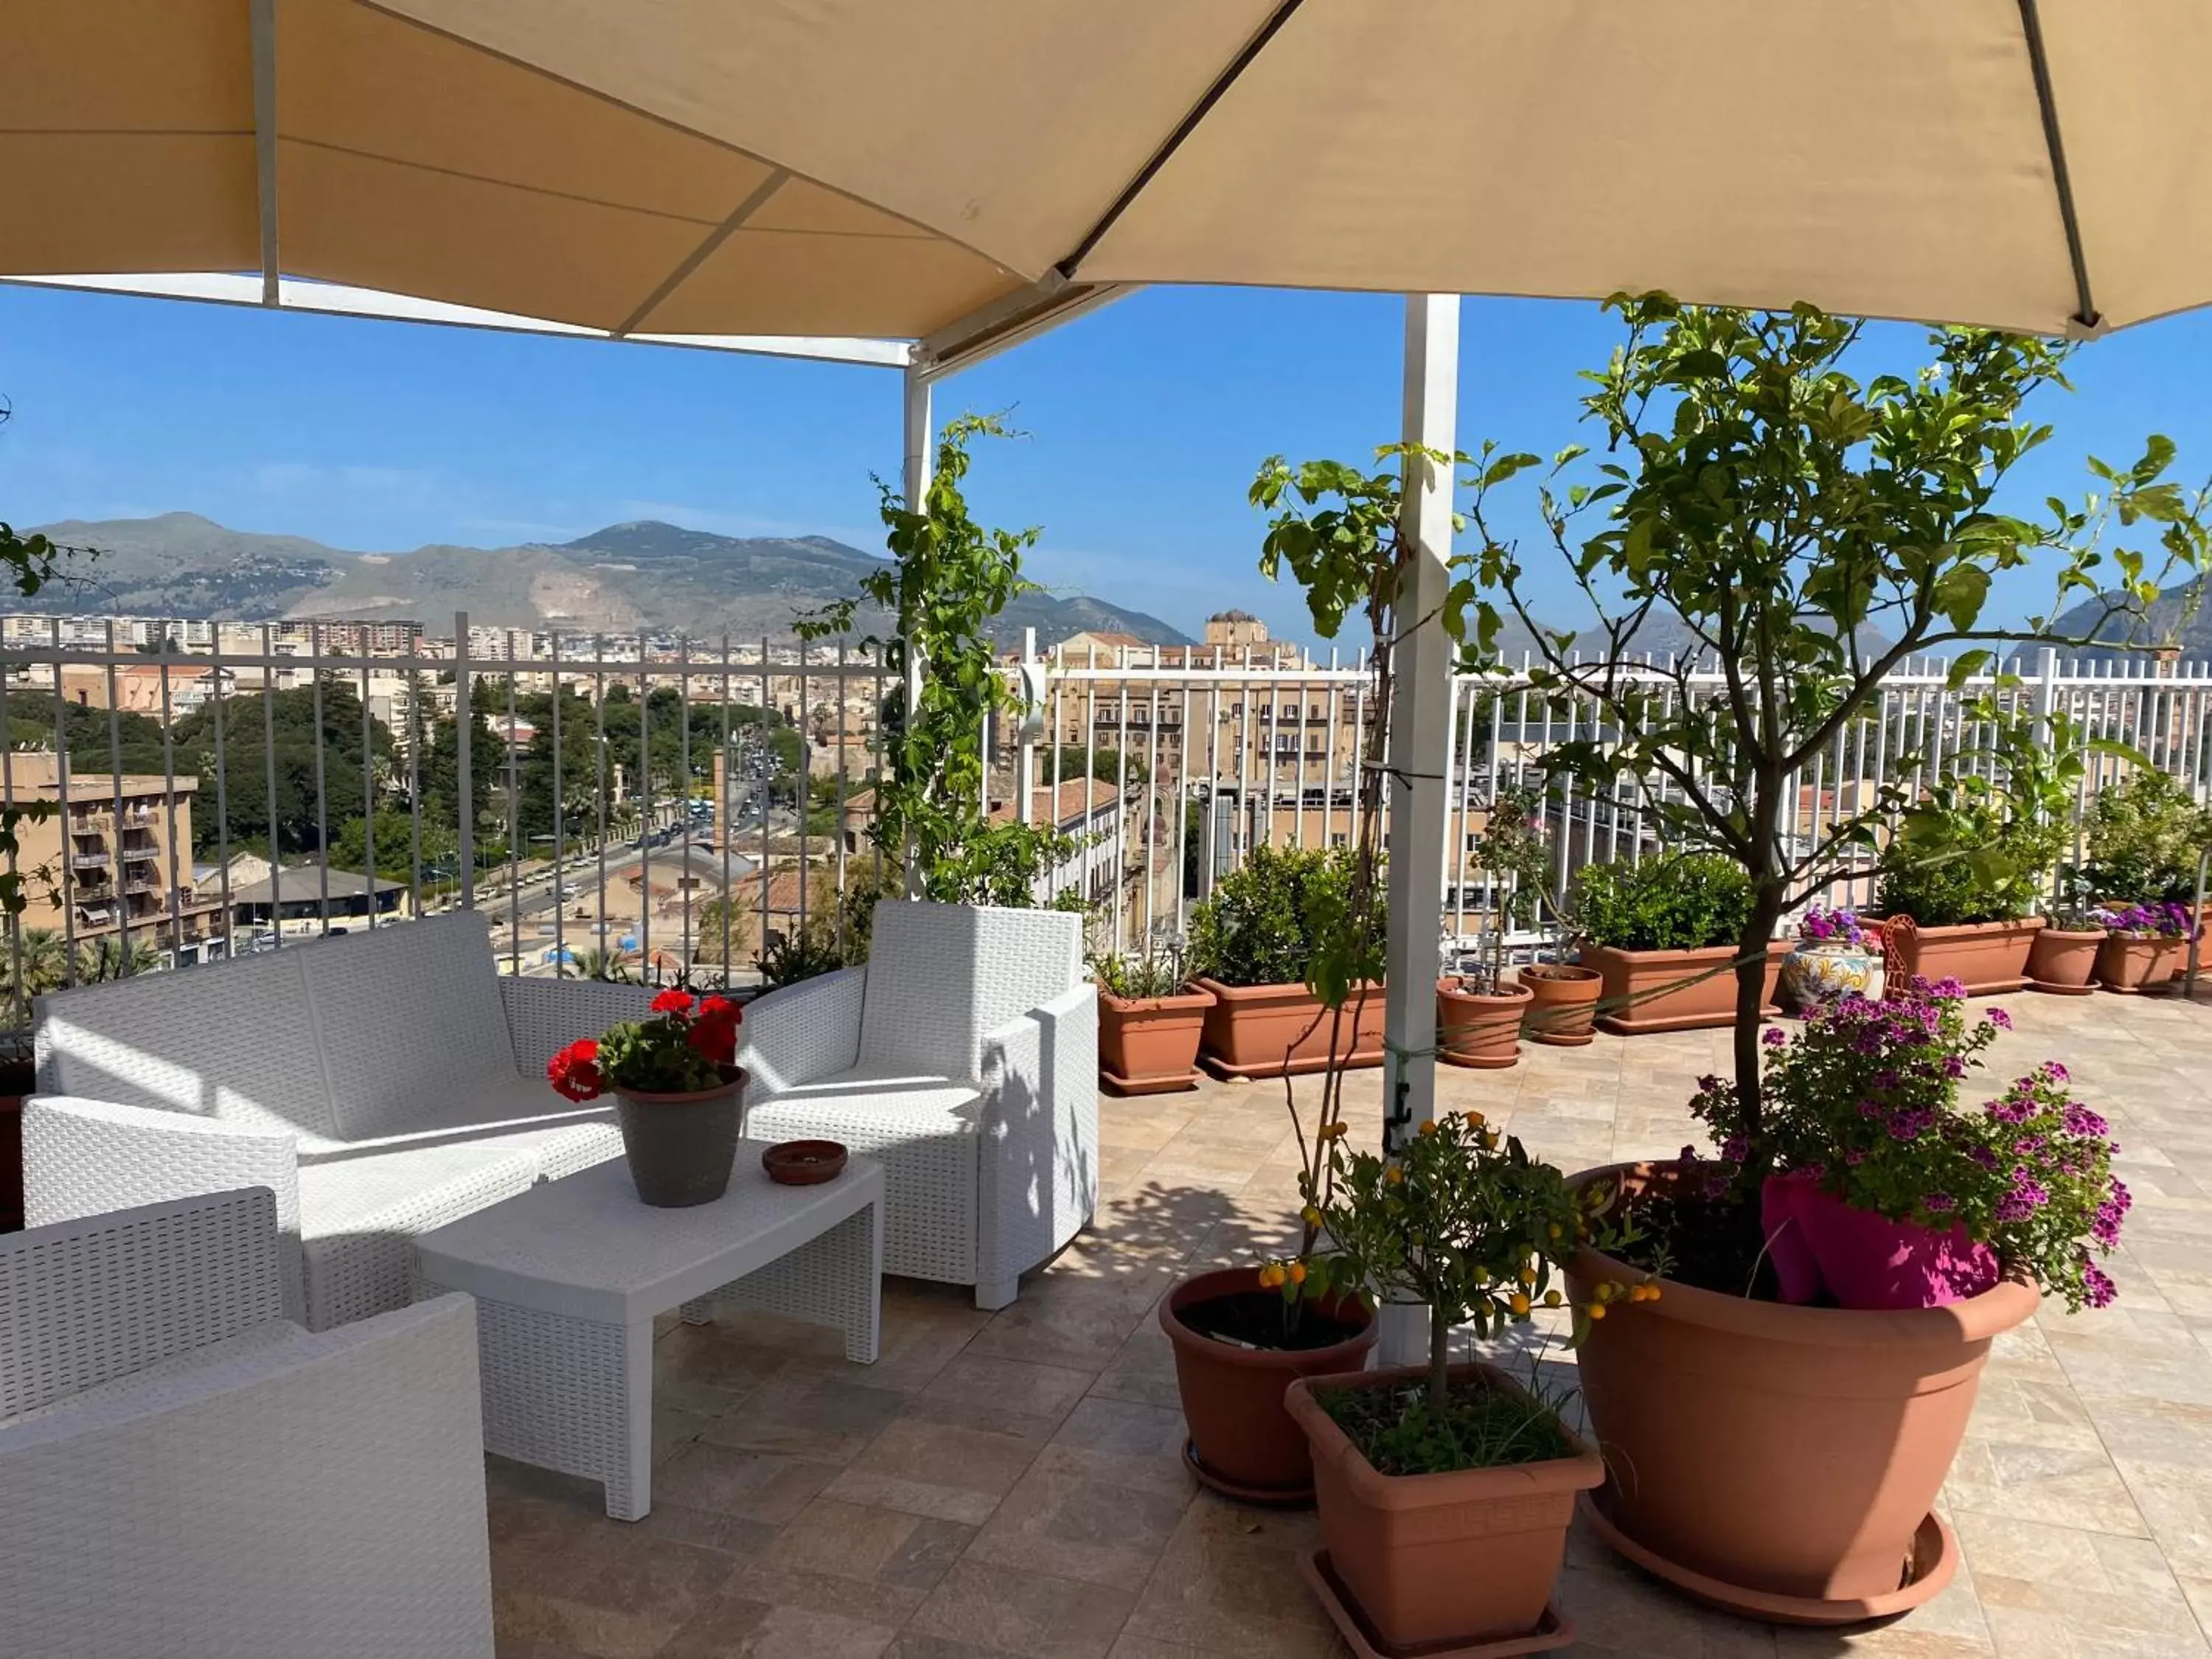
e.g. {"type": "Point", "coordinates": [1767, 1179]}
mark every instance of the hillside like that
{"type": "Point", "coordinates": [623, 578]}
{"type": "Point", "coordinates": [2169, 620]}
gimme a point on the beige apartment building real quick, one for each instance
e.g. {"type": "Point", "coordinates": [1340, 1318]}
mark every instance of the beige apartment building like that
{"type": "Point", "coordinates": [113, 859]}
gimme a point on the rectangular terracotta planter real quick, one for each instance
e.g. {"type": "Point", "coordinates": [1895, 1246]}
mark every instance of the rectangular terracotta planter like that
{"type": "Point", "coordinates": [1635, 993]}
{"type": "Point", "coordinates": [1465, 1558]}
{"type": "Point", "coordinates": [1990, 958]}
{"type": "Point", "coordinates": [1149, 1045]}
{"type": "Point", "coordinates": [1263, 1030]}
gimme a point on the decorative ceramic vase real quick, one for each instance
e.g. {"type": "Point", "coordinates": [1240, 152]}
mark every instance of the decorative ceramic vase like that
{"type": "Point", "coordinates": [680, 1146]}
{"type": "Point", "coordinates": [1812, 975]}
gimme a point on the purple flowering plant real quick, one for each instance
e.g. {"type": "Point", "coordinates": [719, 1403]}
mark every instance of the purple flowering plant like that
{"type": "Point", "coordinates": [1841, 925]}
{"type": "Point", "coordinates": [2160, 921]}
{"type": "Point", "coordinates": [1865, 1101]}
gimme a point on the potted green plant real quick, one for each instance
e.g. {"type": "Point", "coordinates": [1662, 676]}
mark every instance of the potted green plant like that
{"type": "Point", "coordinates": [1149, 1022]}
{"type": "Point", "coordinates": [2143, 943]}
{"type": "Point", "coordinates": [1800, 531]}
{"type": "Point", "coordinates": [1663, 934]}
{"type": "Point", "coordinates": [2061, 958]}
{"type": "Point", "coordinates": [2145, 835]}
{"type": "Point", "coordinates": [1478, 1013]}
{"type": "Point", "coordinates": [678, 1094]}
{"type": "Point", "coordinates": [1252, 941]}
{"type": "Point", "coordinates": [1445, 1489]}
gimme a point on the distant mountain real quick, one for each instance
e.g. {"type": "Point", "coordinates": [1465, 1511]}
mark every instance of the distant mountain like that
{"type": "Point", "coordinates": [627, 577]}
{"type": "Point", "coordinates": [2134, 632]}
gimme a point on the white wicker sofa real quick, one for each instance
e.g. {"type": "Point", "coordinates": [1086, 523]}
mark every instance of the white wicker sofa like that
{"type": "Point", "coordinates": [963, 1058]}
{"type": "Point", "coordinates": [380, 1084]}
{"type": "Point", "coordinates": [186, 1474]}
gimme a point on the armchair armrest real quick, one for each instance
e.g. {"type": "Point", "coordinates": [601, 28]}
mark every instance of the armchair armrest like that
{"type": "Point", "coordinates": [802, 1031]}
{"type": "Point", "coordinates": [545, 1016]}
{"type": "Point", "coordinates": [1039, 1181]}
{"type": "Point", "coordinates": [84, 1302]}
{"type": "Point", "coordinates": [267, 1502]}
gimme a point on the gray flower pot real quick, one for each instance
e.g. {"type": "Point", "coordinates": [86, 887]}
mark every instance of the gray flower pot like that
{"type": "Point", "coordinates": [680, 1146]}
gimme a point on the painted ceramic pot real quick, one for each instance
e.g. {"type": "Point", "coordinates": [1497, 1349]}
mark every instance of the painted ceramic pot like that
{"type": "Point", "coordinates": [1812, 975]}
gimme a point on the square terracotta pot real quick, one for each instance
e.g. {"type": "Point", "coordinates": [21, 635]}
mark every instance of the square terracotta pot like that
{"type": "Point", "coordinates": [1990, 958]}
{"type": "Point", "coordinates": [1275, 1031]}
{"type": "Point", "coordinates": [1674, 990]}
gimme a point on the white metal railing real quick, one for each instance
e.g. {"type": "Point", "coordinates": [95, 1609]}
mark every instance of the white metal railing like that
{"type": "Point", "coordinates": [1168, 765]}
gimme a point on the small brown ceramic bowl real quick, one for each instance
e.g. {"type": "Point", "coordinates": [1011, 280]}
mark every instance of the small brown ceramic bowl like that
{"type": "Point", "coordinates": [804, 1163]}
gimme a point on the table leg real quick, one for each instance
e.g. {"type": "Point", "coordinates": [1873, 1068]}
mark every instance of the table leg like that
{"type": "Point", "coordinates": [835, 1279]}
{"type": "Point", "coordinates": [630, 1489]}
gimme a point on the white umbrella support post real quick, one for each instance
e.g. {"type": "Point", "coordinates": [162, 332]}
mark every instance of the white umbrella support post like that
{"type": "Point", "coordinates": [1420, 729]}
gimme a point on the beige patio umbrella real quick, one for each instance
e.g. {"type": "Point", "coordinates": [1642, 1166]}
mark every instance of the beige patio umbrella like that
{"type": "Point", "coordinates": [878, 167]}
{"type": "Point", "coordinates": [960, 173]}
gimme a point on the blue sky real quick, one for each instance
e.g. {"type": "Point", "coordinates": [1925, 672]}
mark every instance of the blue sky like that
{"type": "Point", "coordinates": [1145, 422]}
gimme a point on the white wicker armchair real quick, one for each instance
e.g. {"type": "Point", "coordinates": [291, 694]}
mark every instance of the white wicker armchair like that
{"type": "Point", "coordinates": [380, 1085]}
{"type": "Point", "coordinates": [186, 1474]}
{"type": "Point", "coordinates": [963, 1058]}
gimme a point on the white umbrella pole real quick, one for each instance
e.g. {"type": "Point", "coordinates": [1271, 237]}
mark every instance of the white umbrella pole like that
{"type": "Point", "coordinates": [1420, 727]}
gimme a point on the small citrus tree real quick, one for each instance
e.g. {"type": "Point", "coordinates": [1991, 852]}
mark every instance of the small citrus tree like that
{"type": "Point", "coordinates": [1808, 531]}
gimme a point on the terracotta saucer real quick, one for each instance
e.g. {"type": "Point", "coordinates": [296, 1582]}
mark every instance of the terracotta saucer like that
{"type": "Point", "coordinates": [1555, 1630]}
{"type": "Point", "coordinates": [1934, 1559]}
{"type": "Point", "coordinates": [2049, 989]}
{"type": "Point", "coordinates": [1158, 1084]}
{"type": "Point", "coordinates": [1273, 1498]}
{"type": "Point", "coordinates": [804, 1163]}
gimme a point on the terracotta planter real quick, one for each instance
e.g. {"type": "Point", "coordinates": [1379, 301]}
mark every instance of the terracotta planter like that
{"type": "Point", "coordinates": [1636, 991]}
{"type": "Point", "coordinates": [1468, 1557]}
{"type": "Point", "coordinates": [1562, 1003]}
{"type": "Point", "coordinates": [2061, 962]}
{"type": "Point", "coordinates": [1477, 1029]}
{"type": "Point", "coordinates": [680, 1146]}
{"type": "Point", "coordinates": [2129, 965]}
{"type": "Point", "coordinates": [1990, 958]}
{"type": "Point", "coordinates": [1243, 1441]}
{"type": "Point", "coordinates": [1147, 1045]}
{"type": "Point", "coordinates": [1272, 1030]}
{"type": "Point", "coordinates": [1781, 1462]}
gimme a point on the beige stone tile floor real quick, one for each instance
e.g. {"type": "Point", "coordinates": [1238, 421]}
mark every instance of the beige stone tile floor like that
{"type": "Point", "coordinates": [1010, 1484]}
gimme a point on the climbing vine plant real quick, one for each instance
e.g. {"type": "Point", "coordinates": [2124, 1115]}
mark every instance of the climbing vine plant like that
{"type": "Point", "coordinates": [950, 576]}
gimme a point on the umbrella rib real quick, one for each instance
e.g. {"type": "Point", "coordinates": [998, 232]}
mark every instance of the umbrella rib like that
{"type": "Point", "coordinates": [1184, 129]}
{"type": "Point", "coordinates": [2038, 64]}
{"type": "Point", "coordinates": [699, 255]}
{"type": "Point", "coordinates": [262, 22]}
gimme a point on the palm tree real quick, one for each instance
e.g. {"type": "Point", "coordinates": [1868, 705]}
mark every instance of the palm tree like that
{"type": "Point", "coordinates": [102, 959]}
{"type": "Point", "coordinates": [596, 962]}
{"type": "Point", "coordinates": [45, 965]}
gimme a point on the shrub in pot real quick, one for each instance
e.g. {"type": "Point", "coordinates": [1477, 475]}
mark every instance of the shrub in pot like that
{"type": "Point", "coordinates": [1445, 1489]}
{"type": "Point", "coordinates": [2145, 837]}
{"type": "Point", "coordinates": [678, 1094]}
{"type": "Point", "coordinates": [1149, 1022]}
{"type": "Point", "coordinates": [1662, 933]}
{"type": "Point", "coordinates": [2142, 944]}
{"type": "Point", "coordinates": [1478, 1013]}
{"type": "Point", "coordinates": [1252, 942]}
{"type": "Point", "coordinates": [1787, 1445]}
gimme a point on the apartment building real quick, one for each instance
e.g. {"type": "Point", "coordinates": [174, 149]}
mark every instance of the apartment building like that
{"type": "Point", "coordinates": [115, 858]}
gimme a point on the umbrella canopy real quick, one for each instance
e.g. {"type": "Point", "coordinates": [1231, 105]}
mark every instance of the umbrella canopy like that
{"type": "Point", "coordinates": [946, 171]}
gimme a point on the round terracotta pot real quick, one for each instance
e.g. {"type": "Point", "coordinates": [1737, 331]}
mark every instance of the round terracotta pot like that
{"type": "Point", "coordinates": [1462, 1557]}
{"type": "Point", "coordinates": [679, 1147]}
{"type": "Point", "coordinates": [2126, 963]}
{"type": "Point", "coordinates": [1479, 1029]}
{"type": "Point", "coordinates": [1148, 1045]}
{"type": "Point", "coordinates": [1781, 1461]}
{"type": "Point", "coordinates": [1563, 1003]}
{"type": "Point", "coordinates": [2060, 962]}
{"type": "Point", "coordinates": [1242, 1441]}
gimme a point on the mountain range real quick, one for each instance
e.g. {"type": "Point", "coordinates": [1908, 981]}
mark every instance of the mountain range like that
{"type": "Point", "coordinates": [644, 575]}
{"type": "Point", "coordinates": [2173, 617]}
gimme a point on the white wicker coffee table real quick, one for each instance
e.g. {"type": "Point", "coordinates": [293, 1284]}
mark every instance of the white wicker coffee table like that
{"type": "Point", "coordinates": [569, 1275]}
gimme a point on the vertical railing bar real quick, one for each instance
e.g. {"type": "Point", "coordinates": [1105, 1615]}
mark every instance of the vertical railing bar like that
{"type": "Point", "coordinates": [368, 787]}
{"type": "Point", "coordinates": [1151, 835]}
{"type": "Point", "coordinates": [805, 777]}
{"type": "Point", "coordinates": [61, 796]}
{"type": "Point", "coordinates": [683, 876]}
{"type": "Point", "coordinates": [19, 994]}
{"type": "Point", "coordinates": [646, 970]}
{"type": "Point", "coordinates": [721, 821]}
{"type": "Point", "coordinates": [605, 945]}
{"type": "Point", "coordinates": [169, 814]}
{"type": "Point", "coordinates": [415, 740]}
{"type": "Point", "coordinates": [120, 863]}
{"type": "Point", "coordinates": [322, 792]}
{"type": "Point", "coordinates": [269, 758]}
{"type": "Point", "coordinates": [513, 821]}
{"type": "Point", "coordinates": [838, 830]}
{"type": "Point", "coordinates": [559, 817]}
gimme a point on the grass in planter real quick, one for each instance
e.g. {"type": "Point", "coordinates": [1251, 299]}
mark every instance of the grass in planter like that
{"type": "Point", "coordinates": [1481, 1426]}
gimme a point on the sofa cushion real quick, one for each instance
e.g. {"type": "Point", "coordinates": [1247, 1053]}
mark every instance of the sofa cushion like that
{"type": "Point", "coordinates": [229, 1040]}
{"type": "Point", "coordinates": [941, 977]}
{"type": "Point", "coordinates": [406, 1015]}
{"type": "Point", "coordinates": [509, 1114]}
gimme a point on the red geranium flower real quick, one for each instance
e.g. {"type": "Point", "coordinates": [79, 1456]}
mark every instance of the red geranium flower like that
{"type": "Point", "coordinates": [672, 1002]}
{"type": "Point", "coordinates": [575, 1071]}
{"type": "Point", "coordinates": [714, 1033]}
